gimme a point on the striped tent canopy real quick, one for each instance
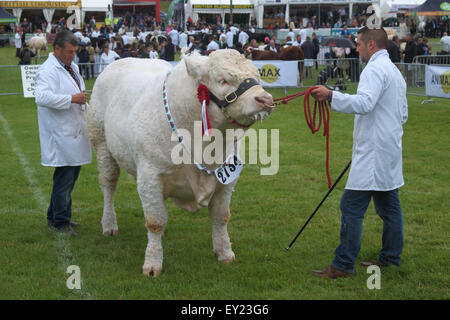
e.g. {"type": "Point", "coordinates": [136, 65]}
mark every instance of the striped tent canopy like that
{"type": "Point", "coordinates": [6, 17]}
{"type": "Point", "coordinates": [433, 8]}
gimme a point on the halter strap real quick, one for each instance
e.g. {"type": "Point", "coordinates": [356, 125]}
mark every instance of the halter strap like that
{"type": "Point", "coordinates": [232, 96]}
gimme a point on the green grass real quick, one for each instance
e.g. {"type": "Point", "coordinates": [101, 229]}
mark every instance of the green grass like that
{"type": "Point", "coordinates": [267, 212]}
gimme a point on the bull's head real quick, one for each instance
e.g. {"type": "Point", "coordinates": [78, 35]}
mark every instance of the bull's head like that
{"type": "Point", "coordinates": [234, 82]}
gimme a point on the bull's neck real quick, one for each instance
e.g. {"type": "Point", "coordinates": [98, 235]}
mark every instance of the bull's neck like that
{"type": "Point", "coordinates": [187, 112]}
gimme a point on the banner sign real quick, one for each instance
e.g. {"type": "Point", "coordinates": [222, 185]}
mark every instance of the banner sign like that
{"type": "Point", "coordinates": [28, 75]}
{"type": "Point", "coordinates": [337, 31]}
{"type": "Point", "coordinates": [277, 73]}
{"type": "Point", "coordinates": [40, 4]}
{"type": "Point", "coordinates": [222, 6]}
{"type": "Point", "coordinates": [274, 73]}
{"type": "Point", "coordinates": [437, 81]}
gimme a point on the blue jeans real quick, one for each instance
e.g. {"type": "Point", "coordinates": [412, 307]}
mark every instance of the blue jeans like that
{"type": "Point", "coordinates": [59, 211]}
{"type": "Point", "coordinates": [353, 207]}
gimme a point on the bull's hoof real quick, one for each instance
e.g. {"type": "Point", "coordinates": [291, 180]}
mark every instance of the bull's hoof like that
{"type": "Point", "coordinates": [226, 258]}
{"type": "Point", "coordinates": [151, 271]}
{"type": "Point", "coordinates": [110, 232]}
{"type": "Point", "coordinates": [226, 261]}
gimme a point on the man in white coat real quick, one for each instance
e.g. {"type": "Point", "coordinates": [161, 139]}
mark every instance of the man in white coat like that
{"type": "Point", "coordinates": [18, 42]}
{"type": "Point", "coordinates": [243, 37]}
{"type": "Point", "coordinates": [380, 109]}
{"type": "Point", "coordinates": [61, 102]}
{"type": "Point", "coordinates": [230, 38]}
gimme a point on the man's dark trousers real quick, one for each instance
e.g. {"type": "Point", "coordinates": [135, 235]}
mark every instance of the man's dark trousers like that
{"type": "Point", "coordinates": [60, 210]}
{"type": "Point", "coordinates": [353, 207]}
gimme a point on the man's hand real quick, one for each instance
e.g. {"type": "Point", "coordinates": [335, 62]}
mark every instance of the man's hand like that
{"type": "Point", "coordinates": [320, 93]}
{"type": "Point", "coordinates": [79, 98]}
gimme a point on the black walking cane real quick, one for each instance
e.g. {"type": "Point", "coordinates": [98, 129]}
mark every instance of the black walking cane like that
{"type": "Point", "coordinates": [323, 200]}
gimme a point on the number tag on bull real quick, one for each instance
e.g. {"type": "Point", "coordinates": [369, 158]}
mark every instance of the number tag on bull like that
{"type": "Point", "coordinates": [230, 170]}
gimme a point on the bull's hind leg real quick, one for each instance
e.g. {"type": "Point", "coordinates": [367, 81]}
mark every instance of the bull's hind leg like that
{"type": "Point", "coordinates": [108, 175]}
{"type": "Point", "coordinates": [155, 213]}
{"type": "Point", "coordinates": [219, 211]}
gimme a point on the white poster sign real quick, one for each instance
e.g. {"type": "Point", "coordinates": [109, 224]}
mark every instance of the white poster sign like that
{"type": "Point", "coordinates": [28, 75]}
{"type": "Point", "coordinates": [277, 73]}
{"type": "Point", "coordinates": [437, 81]}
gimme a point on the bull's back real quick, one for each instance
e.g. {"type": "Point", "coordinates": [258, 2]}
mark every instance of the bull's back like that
{"type": "Point", "coordinates": [122, 84]}
{"type": "Point", "coordinates": [118, 95]}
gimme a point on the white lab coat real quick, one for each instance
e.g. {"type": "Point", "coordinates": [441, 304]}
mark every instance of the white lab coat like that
{"type": "Point", "coordinates": [212, 46]}
{"type": "Point", "coordinates": [18, 41]}
{"type": "Point", "coordinates": [381, 109]}
{"type": "Point", "coordinates": [62, 124]}
{"type": "Point", "coordinates": [183, 38]}
{"type": "Point", "coordinates": [230, 38]}
{"type": "Point", "coordinates": [106, 59]}
{"type": "Point", "coordinates": [243, 37]}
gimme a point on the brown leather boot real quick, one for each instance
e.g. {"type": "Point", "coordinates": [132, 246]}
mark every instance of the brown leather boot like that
{"type": "Point", "coordinates": [331, 272]}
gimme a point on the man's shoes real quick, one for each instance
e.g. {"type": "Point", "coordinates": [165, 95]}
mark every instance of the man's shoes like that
{"type": "Point", "coordinates": [66, 228]}
{"type": "Point", "coordinates": [372, 263]}
{"type": "Point", "coordinates": [72, 223]}
{"type": "Point", "coordinates": [331, 272]}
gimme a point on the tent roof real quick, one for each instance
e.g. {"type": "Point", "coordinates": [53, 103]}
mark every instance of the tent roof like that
{"type": "Point", "coordinates": [431, 5]}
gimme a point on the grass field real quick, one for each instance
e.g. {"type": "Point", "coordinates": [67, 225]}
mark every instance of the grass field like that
{"type": "Point", "coordinates": [267, 212]}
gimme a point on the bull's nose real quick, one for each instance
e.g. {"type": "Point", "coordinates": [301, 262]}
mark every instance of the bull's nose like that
{"type": "Point", "coordinates": [265, 100]}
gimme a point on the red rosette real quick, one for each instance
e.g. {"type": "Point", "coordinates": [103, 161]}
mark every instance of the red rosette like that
{"type": "Point", "coordinates": [203, 94]}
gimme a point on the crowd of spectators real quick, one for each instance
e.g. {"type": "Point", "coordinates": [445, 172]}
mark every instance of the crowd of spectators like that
{"type": "Point", "coordinates": [157, 40]}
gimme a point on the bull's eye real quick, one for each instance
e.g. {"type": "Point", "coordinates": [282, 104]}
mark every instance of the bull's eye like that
{"type": "Point", "coordinates": [223, 82]}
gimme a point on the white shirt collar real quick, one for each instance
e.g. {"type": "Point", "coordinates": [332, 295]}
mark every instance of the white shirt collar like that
{"type": "Point", "coordinates": [379, 53]}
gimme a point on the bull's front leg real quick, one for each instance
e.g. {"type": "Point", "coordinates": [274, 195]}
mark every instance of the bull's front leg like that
{"type": "Point", "coordinates": [155, 213]}
{"type": "Point", "coordinates": [219, 211]}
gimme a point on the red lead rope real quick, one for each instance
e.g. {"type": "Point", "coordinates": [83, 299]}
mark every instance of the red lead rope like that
{"type": "Point", "coordinates": [311, 121]}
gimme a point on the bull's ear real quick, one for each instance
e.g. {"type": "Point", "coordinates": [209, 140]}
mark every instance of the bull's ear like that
{"type": "Point", "coordinates": [196, 66]}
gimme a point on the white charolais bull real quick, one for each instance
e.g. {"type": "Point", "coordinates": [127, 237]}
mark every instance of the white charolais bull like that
{"type": "Point", "coordinates": [129, 129]}
{"type": "Point", "coordinates": [38, 43]}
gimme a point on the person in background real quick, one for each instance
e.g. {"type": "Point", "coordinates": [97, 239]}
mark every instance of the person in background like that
{"type": "Point", "coordinates": [107, 57]}
{"type": "Point", "coordinates": [230, 38]}
{"type": "Point", "coordinates": [167, 50]}
{"type": "Point", "coordinates": [308, 50]}
{"type": "Point", "coordinates": [182, 38]}
{"type": "Point", "coordinates": [394, 50]}
{"type": "Point", "coordinates": [83, 60]}
{"type": "Point", "coordinates": [25, 55]}
{"type": "Point", "coordinates": [420, 48]}
{"type": "Point", "coordinates": [380, 109]}
{"type": "Point", "coordinates": [18, 41]}
{"type": "Point", "coordinates": [354, 63]}
{"type": "Point", "coordinates": [426, 49]}
{"type": "Point", "coordinates": [243, 37]}
{"type": "Point", "coordinates": [61, 102]}
{"type": "Point", "coordinates": [315, 42]}
{"type": "Point", "coordinates": [445, 40]}
{"type": "Point", "coordinates": [91, 52]}
{"type": "Point", "coordinates": [410, 53]}
{"type": "Point", "coordinates": [212, 45]}
{"type": "Point", "coordinates": [153, 54]}
{"type": "Point", "coordinates": [345, 31]}
{"type": "Point", "coordinates": [271, 46]}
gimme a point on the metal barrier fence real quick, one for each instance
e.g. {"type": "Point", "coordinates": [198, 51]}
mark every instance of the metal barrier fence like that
{"type": "Point", "coordinates": [339, 73]}
{"type": "Point", "coordinates": [414, 75]}
{"type": "Point", "coordinates": [432, 59]}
